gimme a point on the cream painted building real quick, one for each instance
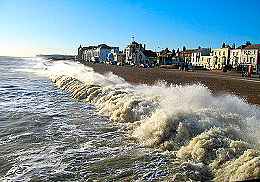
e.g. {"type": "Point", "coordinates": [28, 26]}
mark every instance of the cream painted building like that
{"type": "Point", "coordinates": [220, 57]}
{"type": "Point", "coordinates": [206, 62]}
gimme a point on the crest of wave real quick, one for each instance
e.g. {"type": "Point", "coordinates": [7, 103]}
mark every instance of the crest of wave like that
{"type": "Point", "coordinates": [83, 73]}
{"type": "Point", "coordinates": [215, 137]}
{"type": "Point", "coordinates": [111, 95]}
{"type": "Point", "coordinates": [186, 111]}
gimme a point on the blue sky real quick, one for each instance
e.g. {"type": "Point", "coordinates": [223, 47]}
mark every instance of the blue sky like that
{"type": "Point", "coordinates": [29, 27]}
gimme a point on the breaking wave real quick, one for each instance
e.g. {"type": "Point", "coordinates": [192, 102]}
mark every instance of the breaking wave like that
{"type": "Point", "coordinates": [212, 137]}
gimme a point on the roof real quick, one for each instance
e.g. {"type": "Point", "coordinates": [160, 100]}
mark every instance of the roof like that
{"type": "Point", "coordinates": [189, 51]}
{"type": "Point", "coordinates": [99, 46]}
{"type": "Point", "coordinates": [253, 46]}
{"type": "Point", "coordinates": [134, 44]}
{"type": "Point", "coordinates": [165, 51]}
{"type": "Point", "coordinates": [104, 46]}
{"type": "Point", "coordinates": [149, 53]}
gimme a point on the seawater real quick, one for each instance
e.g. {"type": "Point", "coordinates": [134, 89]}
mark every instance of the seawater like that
{"type": "Point", "coordinates": [60, 120]}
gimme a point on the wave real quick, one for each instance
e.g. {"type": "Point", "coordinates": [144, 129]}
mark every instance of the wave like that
{"type": "Point", "coordinates": [213, 137]}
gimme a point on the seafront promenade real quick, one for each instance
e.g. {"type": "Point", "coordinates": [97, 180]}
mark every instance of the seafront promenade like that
{"type": "Point", "coordinates": [218, 82]}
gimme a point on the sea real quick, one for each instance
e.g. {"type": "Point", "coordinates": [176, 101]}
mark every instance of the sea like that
{"type": "Point", "coordinates": [62, 121]}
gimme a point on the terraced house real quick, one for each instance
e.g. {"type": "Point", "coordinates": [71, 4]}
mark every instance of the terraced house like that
{"type": "Point", "coordinates": [251, 56]}
{"type": "Point", "coordinates": [197, 58]}
{"type": "Point", "coordinates": [220, 57]}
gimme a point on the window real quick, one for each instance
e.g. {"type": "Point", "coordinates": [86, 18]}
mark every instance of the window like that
{"type": "Point", "coordinates": [234, 53]}
{"type": "Point", "coordinates": [224, 53]}
{"type": "Point", "coordinates": [220, 53]}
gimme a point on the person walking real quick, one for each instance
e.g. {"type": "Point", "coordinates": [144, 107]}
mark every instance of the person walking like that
{"type": "Point", "coordinates": [250, 71]}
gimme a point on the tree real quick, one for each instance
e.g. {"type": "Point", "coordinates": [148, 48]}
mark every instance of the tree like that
{"type": "Point", "coordinates": [223, 45]}
{"type": "Point", "coordinates": [184, 48]}
{"type": "Point", "coordinates": [199, 47]}
{"type": "Point", "coordinates": [178, 50]}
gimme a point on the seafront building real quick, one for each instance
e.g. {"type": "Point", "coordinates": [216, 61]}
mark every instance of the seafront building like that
{"type": "Point", "coordinates": [165, 57]}
{"type": "Point", "coordinates": [235, 57]}
{"type": "Point", "coordinates": [98, 53]}
{"type": "Point", "coordinates": [220, 57]}
{"type": "Point", "coordinates": [185, 55]}
{"type": "Point", "coordinates": [251, 56]}
{"type": "Point", "coordinates": [136, 54]}
{"type": "Point", "coordinates": [206, 62]}
{"type": "Point", "coordinates": [207, 58]}
{"type": "Point", "coordinates": [198, 54]}
{"type": "Point", "coordinates": [118, 57]}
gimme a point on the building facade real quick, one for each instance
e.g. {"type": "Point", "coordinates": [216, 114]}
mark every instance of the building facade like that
{"type": "Point", "coordinates": [134, 54]}
{"type": "Point", "coordinates": [98, 53]}
{"type": "Point", "coordinates": [220, 57]}
{"type": "Point", "coordinates": [119, 58]}
{"type": "Point", "coordinates": [206, 62]}
{"type": "Point", "coordinates": [196, 58]}
{"type": "Point", "coordinates": [235, 57]}
{"type": "Point", "coordinates": [185, 56]}
{"type": "Point", "coordinates": [251, 56]}
{"type": "Point", "coordinates": [165, 57]}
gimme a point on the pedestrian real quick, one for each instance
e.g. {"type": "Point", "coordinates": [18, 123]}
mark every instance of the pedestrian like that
{"type": "Point", "coordinates": [250, 71]}
{"type": "Point", "coordinates": [243, 70]}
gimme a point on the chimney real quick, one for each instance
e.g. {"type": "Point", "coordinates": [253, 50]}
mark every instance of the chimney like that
{"type": "Point", "coordinates": [144, 46]}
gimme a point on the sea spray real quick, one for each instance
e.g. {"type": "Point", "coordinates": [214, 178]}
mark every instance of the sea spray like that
{"type": "Point", "coordinates": [119, 105]}
{"type": "Point", "coordinates": [213, 137]}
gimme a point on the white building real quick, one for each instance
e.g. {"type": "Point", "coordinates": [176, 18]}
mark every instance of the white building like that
{"type": "Point", "coordinates": [235, 57]}
{"type": "Point", "coordinates": [134, 54]}
{"type": "Point", "coordinates": [250, 56]}
{"type": "Point", "coordinates": [197, 55]}
{"type": "Point", "coordinates": [96, 53]}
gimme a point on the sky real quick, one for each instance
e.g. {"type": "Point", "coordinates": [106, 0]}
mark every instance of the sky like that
{"type": "Point", "coordinates": [30, 27]}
